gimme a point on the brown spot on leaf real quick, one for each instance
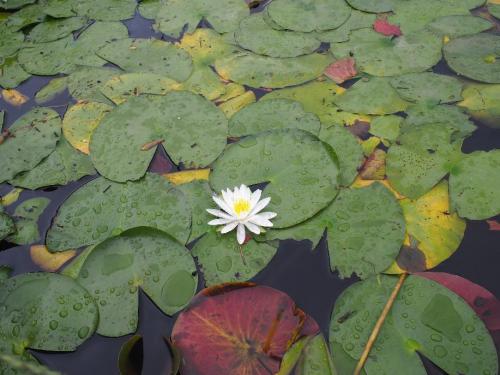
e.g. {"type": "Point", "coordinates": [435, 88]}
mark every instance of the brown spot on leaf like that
{"type": "Point", "coordinates": [411, 259]}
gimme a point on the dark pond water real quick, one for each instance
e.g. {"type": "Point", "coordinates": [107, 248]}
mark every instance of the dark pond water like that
{"type": "Point", "coordinates": [297, 270]}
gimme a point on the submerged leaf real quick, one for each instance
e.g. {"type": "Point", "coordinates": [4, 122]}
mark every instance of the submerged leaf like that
{"type": "Point", "coordinates": [26, 217]}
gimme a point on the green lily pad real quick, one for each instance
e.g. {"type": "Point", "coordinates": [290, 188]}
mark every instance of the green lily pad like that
{"type": "Point", "coordinates": [456, 26]}
{"type": "Point", "coordinates": [424, 113]}
{"type": "Point", "coordinates": [380, 55]}
{"type": "Point", "coordinates": [386, 127]}
{"type": "Point", "coordinates": [363, 97]}
{"type": "Point", "coordinates": [256, 35]}
{"type": "Point", "coordinates": [428, 87]}
{"type": "Point", "coordinates": [85, 83]}
{"type": "Point", "coordinates": [199, 197]}
{"type": "Point", "coordinates": [79, 123]}
{"type": "Point", "coordinates": [55, 87]}
{"type": "Point", "coordinates": [15, 4]}
{"type": "Point", "coordinates": [481, 102]}
{"type": "Point", "coordinates": [475, 57]}
{"type": "Point", "coordinates": [192, 130]}
{"type": "Point", "coordinates": [149, 55]}
{"type": "Point", "coordinates": [61, 167]}
{"type": "Point", "coordinates": [284, 159]}
{"type": "Point", "coordinates": [174, 16]}
{"type": "Point", "coordinates": [474, 182]}
{"type": "Point", "coordinates": [5, 272]}
{"type": "Point", "coordinates": [44, 311]}
{"type": "Point", "coordinates": [309, 15]}
{"type": "Point", "coordinates": [10, 40]}
{"type": "Point", "coordinates": [60, 8]}
{"type": "Point", "coordinates": [27, 16]}
{"type": "Point", "coordinates": [7, 225]}
{"type": "Point", "coordinates": [106, 10]}
{"type": "Point", "coordinates": [365, 232]}
{"type": "Point", "coordinates": [372, 6]}
{"type": "Point", "coordinates": [140, 257]}
{"type": "Point", "coordinates": [54, 29]}
{"type": "Point", "coordinates": [222, 259]}
{"type": "Point", "coordinates": [272, 115]}
{"type": "Point", "coordinates": [263, 71]}
{"type": "Point", "coordinates": [11, 73]}
{"type": "Point", "coordinates": [317, 97]}
{"type": "Point", "coordinates": [119, 88]}
{"type": "Point", "coordinates": [494, 10]}
{"type": "Point", "coordinates": [47, 59]}
{"type": "Point", "coordinates": [102, 209]}
{"type": "Point", "coordinates": [426, 318]}
{"type": "Point", "coordinates": [422, 156]}
{"type": "Point", "coordinates": [32, 138]}
{"type": "Point", "coordinates": [357, 20]}
{"type": "Point", "coordinates": [26, 221]}
{"type": "Point", "coordinates": [347, 148]}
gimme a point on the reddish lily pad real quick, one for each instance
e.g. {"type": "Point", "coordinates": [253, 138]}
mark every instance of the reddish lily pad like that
{"type": "Point", "coordinates": [341, 70]}
{"type": "Point", "coordinates": [250, 327]}
{"type": "Point", "coordinates": [383, 27]}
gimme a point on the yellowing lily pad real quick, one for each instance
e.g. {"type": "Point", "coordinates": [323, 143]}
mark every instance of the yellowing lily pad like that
{"type": "Point", "coordinates": [80, 121]}
{"type": "Point", "coordinates": [481, 102]}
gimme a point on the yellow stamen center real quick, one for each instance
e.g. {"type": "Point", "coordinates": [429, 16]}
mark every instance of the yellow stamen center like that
{"type": "Point", "coordinates": [241, 206]}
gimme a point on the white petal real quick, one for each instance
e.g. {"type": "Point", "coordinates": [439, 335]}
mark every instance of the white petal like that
{"type": "Point", "coordinates": [240, 235]}
{"type": "Point", "coordinates": [228, 197]}
{"type": "Point", "coordinates": [229, 227]}
{"type": "Point", "coordinates": [260, 205]}
{"type": "Point", "coordinates": [222, 204]}
{"type": "Point", "coordinates": [220, 221]}
{"type": "Point", "coordinates": [252, 227]}
{"type": "Point", "coordinates": [245, 192]}
{"type": "Point", "coordinates": [219, 213]}
{"type": "Point", "coordinates": [260, 221]}
{"type": "Point", "coordinates": [255, 198]}
{"type": "Point", "coordinates": [268, 215]}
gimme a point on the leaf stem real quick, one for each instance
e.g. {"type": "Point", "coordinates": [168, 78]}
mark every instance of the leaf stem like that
{"type": "Point", "coordinates": [379, 324]}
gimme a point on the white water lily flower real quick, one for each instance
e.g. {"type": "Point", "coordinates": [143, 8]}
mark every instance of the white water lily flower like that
{"type": "Point", "coordinates": [241, 208]}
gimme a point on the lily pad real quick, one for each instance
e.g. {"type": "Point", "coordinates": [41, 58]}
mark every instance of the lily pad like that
{"type": "Point", "coordinates": [149, 55]}
{"type": "Point", "coordinates": [494, 10]}
{"type": "Point", "coordinates": [175, 16]}
{"type": "Point", "coordinates": [309, 15]}
{"type": "Point", "coordinates": [222, 259]}
{"type": "Point", "coordinates": [435, 233]}
{"type": "Point", "coordinates": [256, 35]}
{"type": "Point", "coordinates": [199, 197]}
{"type": "Point", "coordinates": [27, 16]}
{"type": "Point", "coordinates": [427, 113]}
{"type": "Point", "coordinates": [47, 59]}
{"type": "Point", "coordinates": [15, 4]}
{"type": "Point", "coordinates": [32, 138]}
{"type": "Point", "coordinates": [79, 123]}
{"type": "Point", "coordinates": [85, 83]}
{"type": "Point", "coordinates": [59, 8]}
{"type": "Point", "coordinates": [11, 73]}
{"type": "Point", "coordinates": [475, 57]}
{"type": "Point", "coordinates": [456, 26]}
{"type": "Point", "coordinates": [360, 98]}
{"type": "Point", "coordinates": [284, 159]}
{"type": "Point", "coordinates": [347, 148]}
{"type": "Point", "coordinates": [7, 225]}
{"type": "Point", "coordinates": [357, 20]}
{"type": "Point", "coordinates": [106, 10]}
{"type": "Point", "coordinates": [123, 136]}
{"type": "Point", "coordinates": [318, 97]}
{"type": "Point", "coordinates": [426, 319]}
{"type": "Point", "coordinates": [10, 40]}
{"type": "Point", "coordinates": [26, 220]}
{"type": "Point", "coordinates": [381, 55]}
{"type": "Point", "coordinates": [61, 167]}
{"type": "Point", "coordinates": [143, 258]}
{"type": "Point", "coordinates": [473, 185]}
{"type": "Point", "coordinates": [55, 87]}
{"type": "Point", "coordinates": [481, 102]}
{"type": "Point", "coordinates": [428, 87]}
{"type": "Point", "coordinates": [385, 127]}
{"type": "Point", "coordinates": [54, 29]}
{"type": "Point", "coordinates": [44, 311]}
{"type": "Point", "coordinates": [119, 88]}
{"type": "Point", "coordinates": [253, 326]}
{"type": "Point", "coordinates": [263, 71]}
{"type": "Point", "coordinates": [272, 115]}
{"type": "Point", "coordinates": [421, 158]}
{"type": "Point", "coordinates": [102, 209]}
